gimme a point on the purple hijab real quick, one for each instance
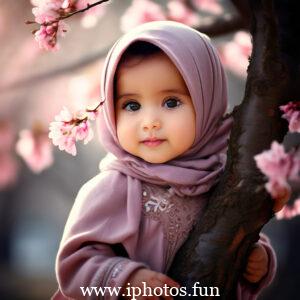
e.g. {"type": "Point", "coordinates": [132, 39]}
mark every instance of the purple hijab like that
{"type": "Point", "coordinates": [197, 170]}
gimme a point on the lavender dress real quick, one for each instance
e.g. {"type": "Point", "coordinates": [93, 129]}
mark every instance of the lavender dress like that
{"type": "Point", "coordinates": [150, 231]}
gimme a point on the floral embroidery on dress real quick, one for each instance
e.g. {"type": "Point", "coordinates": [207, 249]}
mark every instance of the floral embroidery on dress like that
{"type": "Point", "coordinates": [158, 203]}
{"type": "Point", "coordinates": [176, 214]}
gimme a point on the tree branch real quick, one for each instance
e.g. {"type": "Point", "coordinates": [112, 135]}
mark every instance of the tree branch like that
{"type": "Point", "coordinates": [33, 80]}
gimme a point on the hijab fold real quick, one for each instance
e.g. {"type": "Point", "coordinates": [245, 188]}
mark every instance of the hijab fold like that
{"type": "Point", "coordinates": [197, 170]}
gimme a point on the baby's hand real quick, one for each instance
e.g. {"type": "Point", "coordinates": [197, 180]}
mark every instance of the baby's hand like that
{"type": "Point", "coordinates": [153, 279]}
{"type": "Point", "coordinates": [257, 265]}
{"type": "Point", "coordinates": [281, 198]}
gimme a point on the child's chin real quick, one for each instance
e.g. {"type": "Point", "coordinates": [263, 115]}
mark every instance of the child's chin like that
{"type": "Point", "coordinates": [155, 160]}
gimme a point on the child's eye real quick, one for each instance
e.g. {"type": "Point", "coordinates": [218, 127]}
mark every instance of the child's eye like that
{"type": "Point", "coordinates": [131, 106]}
{"type": "Point", "coordinates": [172, 102]}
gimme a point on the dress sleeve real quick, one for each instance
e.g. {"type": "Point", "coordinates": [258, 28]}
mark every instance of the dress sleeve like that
{"type": "Point", "coordinates": [85, 257]}
{"type": "Point", "coordinates": [248, 291]}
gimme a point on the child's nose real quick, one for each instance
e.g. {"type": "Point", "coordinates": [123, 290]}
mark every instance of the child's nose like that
{"type": "Point", "coordinates": [151, 122]}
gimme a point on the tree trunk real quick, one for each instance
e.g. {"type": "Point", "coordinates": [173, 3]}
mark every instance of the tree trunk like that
{"type": "Point", "coordinates": [216, 251]}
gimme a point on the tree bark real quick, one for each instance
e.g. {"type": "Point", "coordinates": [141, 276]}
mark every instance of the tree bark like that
{"type": "Point", "coordinates": [216, 250]}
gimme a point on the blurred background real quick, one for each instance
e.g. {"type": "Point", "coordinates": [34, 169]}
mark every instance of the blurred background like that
{"type": "Point", "coordinates": [38, 183]}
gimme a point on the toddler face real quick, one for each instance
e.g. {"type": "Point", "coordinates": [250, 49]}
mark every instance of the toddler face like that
{"type": "Point", "coordinates": [155, 116]}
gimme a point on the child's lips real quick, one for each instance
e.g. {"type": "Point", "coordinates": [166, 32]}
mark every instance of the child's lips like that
{"type": "Point", "coordinates": [153, 142]}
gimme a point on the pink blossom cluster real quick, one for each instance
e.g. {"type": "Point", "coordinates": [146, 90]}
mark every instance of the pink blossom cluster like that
{"type": "Point", "coordinates": [292, 114]}
{"type": "Point", "coordinates": [279, 167]}
{"type": "Point", "coordinates": [142, 11]}
{"type": "Point", "coordinates": [69, 128]}
{"type": "Point", "coordinates": [46, 10]}
{"type": "Point", "coordinates": [49, 14]}
{"type": "Point", "coordinates": [35, 148]}
{"type": "Point", "coordinates": [46, 36]}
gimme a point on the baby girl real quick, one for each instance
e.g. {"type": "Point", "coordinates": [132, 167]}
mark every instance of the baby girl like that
{"type": "Point", "coordinates": [163, 126]}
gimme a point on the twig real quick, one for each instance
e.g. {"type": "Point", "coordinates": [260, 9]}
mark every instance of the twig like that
{"type": "Point", "coordinates": [84, 9]}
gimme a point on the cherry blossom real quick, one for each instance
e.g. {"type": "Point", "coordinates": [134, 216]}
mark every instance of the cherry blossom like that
{"type": "Point", "coordinates": [62, 133]}
{"type": "Point", "coordinates": [279, 167]}
{"type": "Point", "coordinates": [141, 11]}
{"type": "Point", "coordinates": [292, 114]}
{"type": "Point", "coordinates": [46, 36]}
{"type": "Point", "coordinates": [179, 12]}
{"type": "Point", "coordinates": [46, 10]}
{"type": "Point", "coordinates": [84, 132]}
{"type": "Point", "coordinates": [69, 128]}
{"type": "Point", "coordinates": [48, 13]}
{"type": "Point", "coordinates": [36, 149]}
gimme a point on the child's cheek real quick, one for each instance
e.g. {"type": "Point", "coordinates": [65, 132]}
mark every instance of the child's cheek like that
{"type": "Point", "coordinates": [127, 133]}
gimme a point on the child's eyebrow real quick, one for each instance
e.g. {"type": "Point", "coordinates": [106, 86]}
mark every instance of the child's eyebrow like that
{"type": "Point", "coordinates": [127, 95]}
{"type": "Point", "coordinates": [175, 91]}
